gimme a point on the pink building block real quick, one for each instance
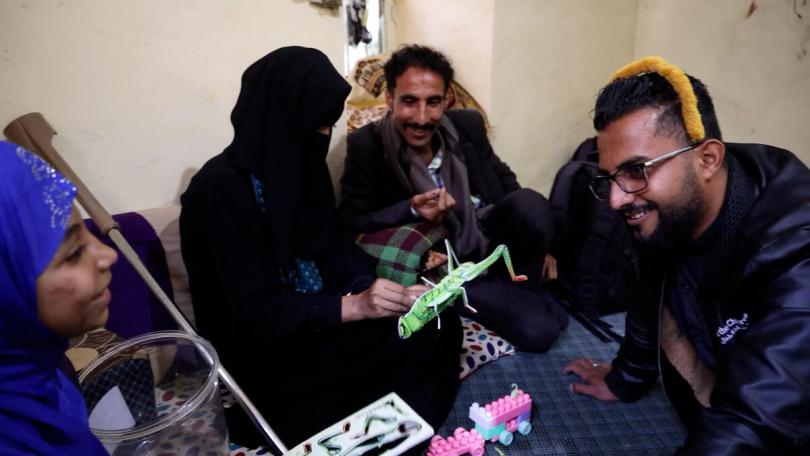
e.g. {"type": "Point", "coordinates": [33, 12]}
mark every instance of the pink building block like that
{"type": "Point", "coordinates": [461, 442]}
{"type": "Point", "coordinates": [501, 410]}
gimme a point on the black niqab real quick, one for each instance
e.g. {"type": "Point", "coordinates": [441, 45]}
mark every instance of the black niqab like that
{"type": "Point", "coordinates": [285, 97]}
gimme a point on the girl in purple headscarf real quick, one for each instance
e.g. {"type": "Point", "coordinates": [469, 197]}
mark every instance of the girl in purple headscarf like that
{"type": "Point", "coordinates": [53, 285]}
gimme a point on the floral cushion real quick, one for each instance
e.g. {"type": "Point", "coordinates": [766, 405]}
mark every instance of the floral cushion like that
{"type": "Point", "coordinates": [480, 346]}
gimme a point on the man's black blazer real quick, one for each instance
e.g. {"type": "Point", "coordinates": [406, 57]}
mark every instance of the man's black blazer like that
{"type": "Point", "coordinates": [374, 196]}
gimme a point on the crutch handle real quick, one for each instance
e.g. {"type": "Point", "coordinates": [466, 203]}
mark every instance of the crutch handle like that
{"type": "Point", "coordinates": [34, 133]}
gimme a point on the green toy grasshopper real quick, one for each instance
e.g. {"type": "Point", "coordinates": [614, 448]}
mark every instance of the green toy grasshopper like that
{"type": "Point", "coordinates": [432, 302]}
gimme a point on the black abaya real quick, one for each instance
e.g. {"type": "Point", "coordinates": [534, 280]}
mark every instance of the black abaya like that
{"type": "Point", "coordinates": [302, 367]}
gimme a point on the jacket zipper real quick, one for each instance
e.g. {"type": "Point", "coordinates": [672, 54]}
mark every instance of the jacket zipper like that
{"type": "Point", "coordinates": [658, 349]}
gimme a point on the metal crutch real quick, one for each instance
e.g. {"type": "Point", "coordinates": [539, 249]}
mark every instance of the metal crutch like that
{"type": "Point", "coordinates": [33, 132]}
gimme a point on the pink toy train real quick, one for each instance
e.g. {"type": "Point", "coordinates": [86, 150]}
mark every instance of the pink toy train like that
{"type": "Point", "coordinates": [462, 442]}
{"type": "Point", "coordinates": [496, 422]}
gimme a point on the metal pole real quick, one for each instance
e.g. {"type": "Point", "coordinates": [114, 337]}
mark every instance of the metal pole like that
{"type": "Point", "coordinates": [258, 420]}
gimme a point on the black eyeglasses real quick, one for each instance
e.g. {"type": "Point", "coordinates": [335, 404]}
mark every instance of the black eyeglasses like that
{"type": "Point", "coordinates": [631, 178]}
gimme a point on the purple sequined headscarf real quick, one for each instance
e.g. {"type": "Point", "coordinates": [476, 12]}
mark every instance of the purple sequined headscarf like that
{"type": "Point", "coordinates": [41, 411]}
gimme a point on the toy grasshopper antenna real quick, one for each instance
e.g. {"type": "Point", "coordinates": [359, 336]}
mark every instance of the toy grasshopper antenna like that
{"type": "Point", "coordinates": [451, 257]}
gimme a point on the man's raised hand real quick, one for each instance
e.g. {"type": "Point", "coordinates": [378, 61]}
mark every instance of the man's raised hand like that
{"type": "Point", "coordinates": [433, 205]}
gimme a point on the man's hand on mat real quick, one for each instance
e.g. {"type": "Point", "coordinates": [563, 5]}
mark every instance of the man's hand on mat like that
{"type": "Point", "coordinates": [593, 375]}
{"type": "Point", "coordinates": [433, 205]}
{"type": "Point", "coordinates": [382, 299]}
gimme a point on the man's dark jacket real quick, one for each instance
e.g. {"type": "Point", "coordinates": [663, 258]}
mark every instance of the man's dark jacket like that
{"type": "Point", "coordinates": [375, 196]}
{"type": "Point", "coordinates": [761, 401]}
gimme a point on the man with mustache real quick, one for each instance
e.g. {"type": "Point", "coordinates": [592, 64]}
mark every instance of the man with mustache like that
{"type": "Point", "coordinates": [422, 162]}
{"type": "Point", "coordinates": [724, 228]}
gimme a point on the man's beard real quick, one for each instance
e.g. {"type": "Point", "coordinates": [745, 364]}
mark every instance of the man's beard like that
{"type": "Point", "coordinates": [677, 221]}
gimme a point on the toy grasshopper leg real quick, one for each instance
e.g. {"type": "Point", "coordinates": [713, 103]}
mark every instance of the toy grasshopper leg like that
{"type": "Point", "coordinates": [435, 307]}
{"type": "Point", "coordinates": [451, 257]}
{"type": "Point", "coordinates": [508, 260]}
{"type": "Point", "coordinates": [467, 301]}
{"type": "Point", "coordinates": [500, 251]}
{"type": "Point", "coordinates": [461, 291]}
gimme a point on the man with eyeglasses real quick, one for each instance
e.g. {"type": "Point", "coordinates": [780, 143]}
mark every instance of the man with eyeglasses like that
{"type": "Point", "coordinates": [724, 229]}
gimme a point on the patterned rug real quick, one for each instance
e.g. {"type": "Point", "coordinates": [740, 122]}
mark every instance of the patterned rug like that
{"type": "Point", "coordinates": [564, 422]}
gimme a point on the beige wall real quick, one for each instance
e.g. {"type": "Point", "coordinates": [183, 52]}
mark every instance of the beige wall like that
{"type": "Point", "coordinates": [141, 91]}
{"type": "Point", "coordinates": [462, 29]}
{"type": "Point", "coordinates": [550, 58]}
{"type": "Point", "coordinates": [757, 68]}
{"type": "Point", "coordinates": [534, 65]}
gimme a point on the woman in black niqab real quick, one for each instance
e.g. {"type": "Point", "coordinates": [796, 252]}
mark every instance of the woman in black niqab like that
{"type": "Point", "coordinates": [258, 221]}
{"type": "Point", "coordinates": [286, 97]}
